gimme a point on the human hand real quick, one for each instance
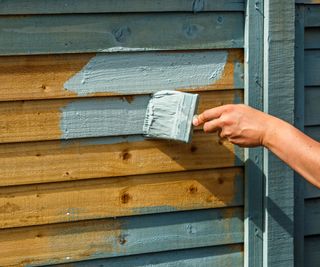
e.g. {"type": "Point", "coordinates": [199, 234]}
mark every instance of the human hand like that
{"type": "Point", "coordinates": [240, 124]}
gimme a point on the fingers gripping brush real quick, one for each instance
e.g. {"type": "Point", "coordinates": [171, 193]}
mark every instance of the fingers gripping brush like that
{"type": "Point", "coordinates": [169, 115]}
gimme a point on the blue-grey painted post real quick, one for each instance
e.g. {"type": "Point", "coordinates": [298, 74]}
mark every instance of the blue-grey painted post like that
{"type": "Point", "coordinates": [299, 122]}
{"type": "Point", "coordinates": [279, 101]}
{"type": "Point", "coordinates": [253, 157]}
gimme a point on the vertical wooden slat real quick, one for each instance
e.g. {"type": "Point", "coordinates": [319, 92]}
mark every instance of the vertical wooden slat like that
{"type": "Point", "coordinates": [253, 157]}
{"type": "Point", "coordinates": [299, 123]}
{"type": "Point", "coordinates": [278, 101]}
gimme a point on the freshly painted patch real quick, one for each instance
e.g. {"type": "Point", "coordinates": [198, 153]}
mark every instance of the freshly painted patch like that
{"type": "Point", "coordinates": [169, 115]}
{"type": "Point", "coordinates": [148, 72]}
{"type": "Point", "coordinates": [103, 117]}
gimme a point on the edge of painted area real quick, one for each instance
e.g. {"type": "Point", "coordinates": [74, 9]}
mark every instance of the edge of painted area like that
{"type": "Point", "coordinates": [147, 72]}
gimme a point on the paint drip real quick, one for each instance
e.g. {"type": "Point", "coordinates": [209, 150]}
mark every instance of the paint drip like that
{"type": "Point", "coordinates": [169, 115]}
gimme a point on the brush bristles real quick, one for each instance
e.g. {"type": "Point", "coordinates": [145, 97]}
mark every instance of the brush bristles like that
{"type": "Point", "coordinates": [169, 115]}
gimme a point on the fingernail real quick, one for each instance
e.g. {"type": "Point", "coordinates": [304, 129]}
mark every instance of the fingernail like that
{"type": "Point", "coordinates": [195, 120]}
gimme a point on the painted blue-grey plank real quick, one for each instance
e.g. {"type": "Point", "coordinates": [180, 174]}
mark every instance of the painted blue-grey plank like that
{"type": "Point", "coordinates": [312, 16]}
{"type": "Point", "coordinates": [310, 191]}
{"type": "Point", "coordinates": [254, 157]}
{"type": "Point", "coordinates": [299, 123]}
{"type": "Point", "coordinates": [279, 36]}
{"type": "Point", "coordinates": [312, 67]}
{"type": "Point", "coordinates": [312, 251]}
{"type": "Point", "coordinates": [145, 73]}
{"type": "Point", "coordinates": [40, 34]}
{"type": "Point", "coordinates": [307, 2]}
{"type": "Point", "coordinates": [141, 234]}
{"type": "Point", "coordinates": [9, 7]}
{"type": "Point", "coordinates": [313, 131]}
{"type": "Point", "coordinates": [312, 105]}
{"type": "Point", "coordinates": [96, 117]}
{"type": "Point", "coordinates": [312, 217]}
{"type": "Point", "coordinates": [312, 38]}
{"type": "Point", "coordinates": [218, 256]}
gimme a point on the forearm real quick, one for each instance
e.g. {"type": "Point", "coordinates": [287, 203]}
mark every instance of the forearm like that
{"type": "Point", "coordinates": [299, 151]}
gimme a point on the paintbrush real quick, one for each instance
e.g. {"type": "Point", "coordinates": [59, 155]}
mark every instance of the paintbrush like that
{"type": "Point", "coordinates": [169, 115]}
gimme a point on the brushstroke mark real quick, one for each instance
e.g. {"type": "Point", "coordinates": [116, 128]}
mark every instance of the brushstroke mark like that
{"type": "Point", "coordinates": [147, 72]}
{"type": "Point", "coordinates": [103, 117]}
{"type": "Point", "coordinates": [198, 5]}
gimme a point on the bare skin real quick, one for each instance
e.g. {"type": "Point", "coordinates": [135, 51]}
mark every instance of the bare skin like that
{"type": "Point", "coordinates": [248, 127]}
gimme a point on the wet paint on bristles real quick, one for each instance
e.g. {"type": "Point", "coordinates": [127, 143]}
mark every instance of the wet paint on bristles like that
{"type": "Point", "coordinates": [169, 115]}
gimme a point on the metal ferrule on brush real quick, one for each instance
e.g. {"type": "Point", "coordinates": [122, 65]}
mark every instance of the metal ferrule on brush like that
{"type": "Point", "coordinates": [169, 115]}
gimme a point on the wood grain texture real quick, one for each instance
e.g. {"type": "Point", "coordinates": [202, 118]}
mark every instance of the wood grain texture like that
{"type": "Point", "coordinates": [312, 217]}
{"type": "Point", "coordinates": [8, 7]}
{"type": "Point", "coordinates": [50, 119]}
{"type": "Point", "coordinates": [43, 77]}
{"type": "Point", "coordinates": [312, 67]}
{"type": "Point", "coordinates": [313, 131]}
{"type": "Point", "coordinates": [312, 15]}
{"type": "Point", "coordinates": [312, 107]}
{"type": "Point", "coordinates": [254, 157]}
{"type": "Point", "coordinates": [312, 38]}
{"type": "Point", "coordinates": [59, 243]}
{"type": "Point", "coordinates": [123, 196]}
{"type": "Point", "coordinates": [218, 256]}
{"type": "Point", "coordinates": [49, 34]}
{"type": "Point", "coordinates": [39, 162]}
{"type": "Point", "coordinates": [312, 253]}
{"type": "Point", "coordinates": [279, 36]}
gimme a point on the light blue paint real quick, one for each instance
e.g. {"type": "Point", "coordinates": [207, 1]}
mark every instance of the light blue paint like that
{"type": "Point", "coordinates": [170, 231]}
{"type": "Point", "coordinates": [218, 256]}
{"type": "Point", "coordinates": [105, 140]}
{"type": "Point", "coordinates": [169, 115]}
{"type": "Point", "coordinates": [198, 5]}
{"type": "Point", "coordinates": [103, 117]}
{"type": "Point", "coordinates": [150, 72]}
{"type": "Point", "coordinates": [154, 209]}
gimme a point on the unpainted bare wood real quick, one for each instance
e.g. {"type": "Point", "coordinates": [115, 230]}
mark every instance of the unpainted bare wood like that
{"type": "Point", "coordinates": [121, 196]}
{"type": "Point", "coordinates": [52, 161]}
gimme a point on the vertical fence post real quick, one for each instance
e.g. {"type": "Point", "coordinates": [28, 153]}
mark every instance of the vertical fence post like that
{"type": "Point", "coordinates": [279, 36]}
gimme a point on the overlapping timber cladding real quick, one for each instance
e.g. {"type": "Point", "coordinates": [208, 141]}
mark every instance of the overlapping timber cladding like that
{"type": "Point", "coordinates": [308, 119]}
{"type": "Point", "coordinates": [80, 185]}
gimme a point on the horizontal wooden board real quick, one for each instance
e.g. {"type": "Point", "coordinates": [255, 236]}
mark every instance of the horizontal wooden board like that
{"type": "Point", "coordinates": [312, 217]}
{"type": "Point", "coordinates": [45, 76]}
{"type": "Point", "coordinates": [40, 162]}
{"type": "Point", "coordinates": [312, 15]}
{"type": "Point", "coordinates": [312, 67]}
{"type": "Point", "coordinates": [312, 38]}
{"type": "Point", "coordinates": [58, 243]}
{"type": "Point", "coordinates": [123, 196]}
{"type": "Point", "coordinates": [312, 106]}
{"type": "Point", "coordinates": [22, 7]}
{"type": "Point", "coordinates": [311, 251]}
{"type": "Point", "coordinates": [308, 1]}
{"type": "Point", "coordinates": [313, 131]}
{"type": "Point", "coordinates": [217, 256]}
{"type": "Point", "coordinates": [48, 34]}
{"type": "Point", "coordinates": [94, 117]}
{"type": "Point", "coordinates": [310, 191]}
